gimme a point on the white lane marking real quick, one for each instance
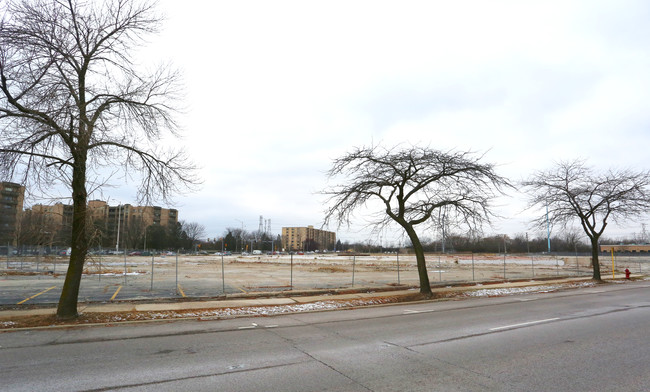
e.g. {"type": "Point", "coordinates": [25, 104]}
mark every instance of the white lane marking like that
{"type": "Point", "coordinates": [522, 324]}
{"type": "Point", "coordinates": [255, 325]}
{"type": "Point", "coordinates": [407, 311]}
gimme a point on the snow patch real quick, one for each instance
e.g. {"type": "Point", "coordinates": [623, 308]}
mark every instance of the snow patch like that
{"type": "Point", "coordinates": [519, 290]}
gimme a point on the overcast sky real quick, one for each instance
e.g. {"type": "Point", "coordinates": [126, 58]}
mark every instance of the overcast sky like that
{"type": "Point", "coordinates": [277, 89]}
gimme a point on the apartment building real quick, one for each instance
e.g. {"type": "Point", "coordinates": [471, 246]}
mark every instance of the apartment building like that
{"type": "Point", "coordinates": [59, 214]}
{"type": "Point", "coordinates": [49, 223]}
{"type": "Point", "coordinates": [12, 197]}
{"type": "Point", "coordinates": [126, 214]}
{"type": "Point", "coordinates": [307, 239]}
{"type": "Point", "coordinates": [105, 220]}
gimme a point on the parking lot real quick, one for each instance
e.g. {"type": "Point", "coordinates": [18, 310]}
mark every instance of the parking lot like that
{"type": "Point", "coordinates": [35, 280]}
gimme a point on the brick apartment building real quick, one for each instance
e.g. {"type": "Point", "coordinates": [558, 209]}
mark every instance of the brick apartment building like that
{"type": "Point", "coordinates": [307, 239]}
{"type": "Point", "coordinates": [12, 197]}
{"type": "Point", "coordinates": [132, 221]}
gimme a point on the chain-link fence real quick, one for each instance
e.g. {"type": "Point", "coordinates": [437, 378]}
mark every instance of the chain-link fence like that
{"type": "Point", "coordinates": [122, 277]}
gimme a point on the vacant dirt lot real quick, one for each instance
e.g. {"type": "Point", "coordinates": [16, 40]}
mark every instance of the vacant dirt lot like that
{"type": "Point", "coordinates": [239, 273]}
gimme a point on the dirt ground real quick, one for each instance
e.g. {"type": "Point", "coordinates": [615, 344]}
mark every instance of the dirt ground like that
{"type": "Point", "coordinates": [235, 274]}
{"type": "Point", "coordinates": [260, 273]}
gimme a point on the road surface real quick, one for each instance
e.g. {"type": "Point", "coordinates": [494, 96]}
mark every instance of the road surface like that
{"type": "Point", "coordinates": [589, 339]}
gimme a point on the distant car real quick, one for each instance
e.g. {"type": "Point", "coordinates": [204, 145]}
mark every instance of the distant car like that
{"type": "Point", "coordinates": [136, 253]}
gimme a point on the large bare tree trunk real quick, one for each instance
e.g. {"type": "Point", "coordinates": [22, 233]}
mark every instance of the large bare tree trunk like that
{"type": "Point", "coordinates": [425, 286]}
{"type": "Point", "coordinates": [594, 258]}
{"type": "Point", "coordinates": [67, 308]}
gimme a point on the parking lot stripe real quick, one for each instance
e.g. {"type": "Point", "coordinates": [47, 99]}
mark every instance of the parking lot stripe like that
{"type": "Point", "coordinates": [116, 291]}
{"type": "Point", "coordinates": [180, 290]}
{"type": "Point", "coordinates": [35, 295]}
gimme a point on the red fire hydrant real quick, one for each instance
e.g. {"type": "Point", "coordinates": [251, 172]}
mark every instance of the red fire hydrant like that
{"type": "Point", "coordinates": [627, 273]}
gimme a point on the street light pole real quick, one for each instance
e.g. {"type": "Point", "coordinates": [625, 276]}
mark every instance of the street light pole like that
{"type": "Point", "coordinates": [117, 243]}
{"type": "Point", "coordinates": [548, 230]}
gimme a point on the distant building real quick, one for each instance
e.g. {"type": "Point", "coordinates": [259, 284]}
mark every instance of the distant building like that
{"type": "Point", "coordinates": [12, 197]}
{"type": "Point", "coordinates": [150, 215]}
{"type": "Point", "coordinates": [55, 222]}
{"type": "Point", "coordinates": [307, 239]}
{"type": "Point", "coordinates": [631, 248]}
{"type": "Point", "coordinates": [128, 218]}
{"type": "Point", "coordinates": [105, 220]}
{"type": "Point", "coordinates": [59, 214]}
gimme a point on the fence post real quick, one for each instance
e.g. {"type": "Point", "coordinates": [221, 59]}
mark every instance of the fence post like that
{"type": "Point", "coordinates": [354, 260]}
{"type": "Point", "coordinates": [532, 264]}
{"type": "Point", "coordinates": [398, 280]}
{"type": "Point", "coordinates": [473, 279]}
{"type": "Point", "coordinates": [125, 267]}
{"type": "Point", "coordinates": [176, 273]}
{"type": "Point", "coordinates": [504, 265]}
{"type": "Point", "coordinates": [291, 253]}
{"type": "Point", "coordinates": [223, 279]}
{"type": "Point", "coordinates": [439, 269]}
{"type": "Point", "coordinates": [151, 289]}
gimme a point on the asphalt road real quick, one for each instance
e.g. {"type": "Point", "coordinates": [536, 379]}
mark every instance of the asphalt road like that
{"type": "Point", "coordinates": [590, 339]}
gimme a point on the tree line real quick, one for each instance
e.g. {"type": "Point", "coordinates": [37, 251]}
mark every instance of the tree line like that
{"type": "Point", "coordinates": [239, 240]}
{"type": "Point", "coordinates": [567, 243]}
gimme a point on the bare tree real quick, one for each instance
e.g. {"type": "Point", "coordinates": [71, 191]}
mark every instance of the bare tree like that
{"type": "Point", "coordinates": [573, 191]}
{"type": "Point", "coordinates": [410, 184]}
{"type": "Point", "coordinates": [74, 105]}
{"type": "Point", "coordinates": [193, 230]}
{"type": "Point", "coordinates": [36, 229]}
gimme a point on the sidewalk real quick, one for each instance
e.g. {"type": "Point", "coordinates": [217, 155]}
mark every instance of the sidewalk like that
{"type": "Point", "coordinates": [285, 298]}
